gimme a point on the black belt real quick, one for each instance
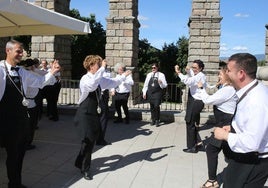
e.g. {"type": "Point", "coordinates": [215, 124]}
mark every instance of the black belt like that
{"type": "Point", "coordinates": [122, 93]}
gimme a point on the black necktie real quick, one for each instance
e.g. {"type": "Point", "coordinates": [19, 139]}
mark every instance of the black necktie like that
{"type": "Point", "coordinates": [15, 68]}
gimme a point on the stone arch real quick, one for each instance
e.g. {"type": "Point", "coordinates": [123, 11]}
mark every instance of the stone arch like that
{"type": "Point", "coordinates": [204, 27]}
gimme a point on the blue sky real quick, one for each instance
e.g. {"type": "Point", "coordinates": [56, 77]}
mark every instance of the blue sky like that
{"type": "Point", "coordinates": [242, 26]}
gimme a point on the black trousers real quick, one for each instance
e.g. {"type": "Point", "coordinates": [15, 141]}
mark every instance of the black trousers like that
{"type": "Point", "coordinates": [155, 112]}
{"type": "Point", "coordinates": [194, 108]}
{"type": "Point", "coordinates": [121, 100]}
{"type": "Point", "coordinates": [83, 160]}
{"type": "Point", "coordinates": [14, 145]}
{"type": "Point", "coordinates": [33, 121]}
{"type": "Point", "coordinates": [212, 160]}
{"type": "Point", "coordinates": [52, 95]}
{"type": "Point", "coordinates": [246, 175]}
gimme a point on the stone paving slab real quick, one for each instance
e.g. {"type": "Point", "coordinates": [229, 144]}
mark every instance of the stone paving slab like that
{"type": "Point", "coordinates": [141, 156]}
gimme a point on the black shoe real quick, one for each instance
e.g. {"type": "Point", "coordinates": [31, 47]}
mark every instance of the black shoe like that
{"type": "Point", "coordinates": [87, 175]}
{"type": "Point", "coordinates": [118, 121]}
{"type": "Point", "coordinates": [152, 123]}
{"type": "Point", "coordinates": [103, 143]}
{"type": "Point", "coordinates": [200, 147]}
{"type": "Point", "coordinates": [190, 150]}
{"type": "Point", "coordinates": [30, 147]}
{"type": "Point", "coordinates": [157, 123]}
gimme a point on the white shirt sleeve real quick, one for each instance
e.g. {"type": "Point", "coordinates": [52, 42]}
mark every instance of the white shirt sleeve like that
{"type": "Point", "coordinates": [145, 85]}
{"type": "Point", "coordinates": [218, 97]}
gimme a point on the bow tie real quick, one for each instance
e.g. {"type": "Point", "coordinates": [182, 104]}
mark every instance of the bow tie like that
{"type": "Point", "coordinates": [15, 68]}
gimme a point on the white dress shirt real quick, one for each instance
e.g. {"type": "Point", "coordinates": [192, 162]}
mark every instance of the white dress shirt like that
{"type": "Point", "coordinates": [251, 121]}
{"type": "Point", "coordinates": [125, 86]}
{"type": "Point", "coordinates": [161, 77]}
{"type": "Point", "coordinates": [224, 98]}
{"type": "Point", "coordinates": [191, 81]}
{"type": "Point", "coordinates": [28, 78]}
{"type": "Point", "coordinates": [90, 82]}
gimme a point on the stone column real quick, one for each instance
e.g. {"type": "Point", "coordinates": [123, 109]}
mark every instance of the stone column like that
{"type": "Point", "coordinates": [266, 44]}
{"type": "Point", "coordinates": [122, 36]}
{"type": "Point", "coordinates": [204, 41]}
{"type": "Point", "coordinates": [122, 33]}
{"type": "Point", "coordinates": [54, 47]}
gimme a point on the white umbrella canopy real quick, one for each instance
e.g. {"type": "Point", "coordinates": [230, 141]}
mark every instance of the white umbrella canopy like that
{"type": "Point", "coordinates": [18, 17]}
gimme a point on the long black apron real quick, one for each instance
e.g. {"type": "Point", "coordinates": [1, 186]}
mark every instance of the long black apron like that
{"type": "Point", "coordinates": [154, 95]}
{"type": "Point", "coordinates": [87, 119]}
{"type": "Point", "coordinates": [14, 130]}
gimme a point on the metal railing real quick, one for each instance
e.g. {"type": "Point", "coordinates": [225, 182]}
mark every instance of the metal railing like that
{"type": "Point", "coordinates": [174, 98]}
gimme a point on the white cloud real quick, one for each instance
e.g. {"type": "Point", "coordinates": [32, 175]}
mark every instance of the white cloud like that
{"type": "Point", "coordinates": [240, 48]}
{"type": "Point", "coordinates": [142, 18]}
{"type": "Point", "coordinates": [224, 47]}
{"type": "Point", "coordinates": [144, 26]}
{"type": "Point", "coordinates": [240, 15]}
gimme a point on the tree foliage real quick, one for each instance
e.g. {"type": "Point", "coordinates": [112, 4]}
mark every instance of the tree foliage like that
{"type": "Point", "coordinates": [170, 55]}
{"type": "Point", "coordinates": [182, 59]}
{"type": "Point", "coordinates": [83, 45]}
{"type": "Point", "coordinates": [147, 56]}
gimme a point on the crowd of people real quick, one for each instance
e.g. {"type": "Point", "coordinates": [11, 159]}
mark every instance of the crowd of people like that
{"type": "Point", "coordinates": [241, 124]}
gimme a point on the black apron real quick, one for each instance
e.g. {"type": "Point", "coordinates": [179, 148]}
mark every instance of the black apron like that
{"type": "Point", "coordinates": [154, 92]}
{"type": "Point", "coordinates": [13, 115]}
{"type": "Point", "coordinates": [87, 118]}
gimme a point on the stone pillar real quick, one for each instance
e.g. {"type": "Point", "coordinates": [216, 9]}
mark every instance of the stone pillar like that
{"type": "Point", "coordinates": [266, 44]}
{"type": "Point", "coordinates": [122, 33]}
{"type": "Point", "coordinates": [54, 47]}
{"type": "Point", "coordinates": [204, 41]}
{"type": "Point", "coordinates": [122, 37]}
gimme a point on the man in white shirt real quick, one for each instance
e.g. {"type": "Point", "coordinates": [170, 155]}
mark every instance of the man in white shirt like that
{"type": "Point", "coordinates": [14, 129]}
{"type": "Point", "coordinates": [247, 136]}
{"type": "Point", "coordinates": [121, 94]}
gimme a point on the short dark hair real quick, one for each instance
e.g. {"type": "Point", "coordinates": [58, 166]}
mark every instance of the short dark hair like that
{"type": "Point", "coordinates": [247, 62]}
{"type": "Point", "coordinates": [200, 64]}
{"type": "Point", "coordinates": [156, 64]}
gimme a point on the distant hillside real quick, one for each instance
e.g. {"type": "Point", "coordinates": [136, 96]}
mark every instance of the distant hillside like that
{"type": "Point", "coordinates": [259, 57]}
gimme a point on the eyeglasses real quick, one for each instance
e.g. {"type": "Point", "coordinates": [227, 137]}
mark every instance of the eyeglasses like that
{"type": "Point", "coordinates": [153, 67]}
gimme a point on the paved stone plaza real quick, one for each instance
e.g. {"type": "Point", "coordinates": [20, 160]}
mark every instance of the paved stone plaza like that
{"type": "Point", "coordinates": [141, 156]}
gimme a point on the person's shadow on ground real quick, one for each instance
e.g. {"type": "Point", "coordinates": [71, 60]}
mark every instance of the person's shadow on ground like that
{"type": "Point", "coordinates": [115, 162]}
{"type": "Point", "coordinates": [119, 132]}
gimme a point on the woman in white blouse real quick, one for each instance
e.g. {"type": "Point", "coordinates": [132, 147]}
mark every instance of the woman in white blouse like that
{"type": "Point", "coordinates": [224, 101]}
{"type": "Point", "coordinates": [87, 117]}
{"type": "Point", "coordinates": [152, 91]}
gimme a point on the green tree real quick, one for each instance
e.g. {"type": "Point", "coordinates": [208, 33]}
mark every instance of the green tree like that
{"type": "Point", "coordinates": [83, 45]}
{"type": "Point", "coordinates": [262, 63]}
{"type": "Point", "coordinates": [147, 56]}
{"type": "Point", "coordinates": [169, 55]}
{"type": "Point", "coordinates": [182, 59]}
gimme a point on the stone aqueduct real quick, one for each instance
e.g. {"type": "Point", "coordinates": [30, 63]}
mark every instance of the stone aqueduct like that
{"type": "Point", "coordinates": [122, 31]}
